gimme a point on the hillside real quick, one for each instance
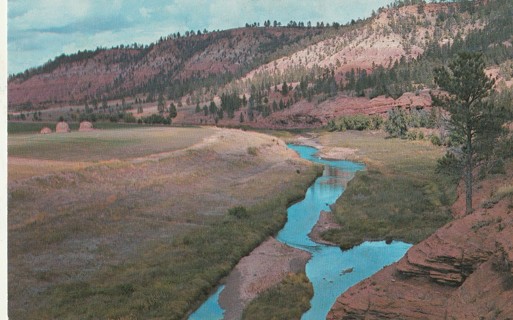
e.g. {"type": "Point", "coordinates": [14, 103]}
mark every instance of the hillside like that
{"type": "Point", "coordinates": [274, 77]}
{"type": "Point", "coordinates": [124, 71]}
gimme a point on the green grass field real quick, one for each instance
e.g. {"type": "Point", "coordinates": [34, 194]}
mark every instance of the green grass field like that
{"type": "Point", "coordinates": [120, 143]}
{"type": "Point", "coordinates": [399, 196]}
{"type": "Point", "coordinates": [15, 127]}
{"type": "Point", "coordinates": [144, 238]}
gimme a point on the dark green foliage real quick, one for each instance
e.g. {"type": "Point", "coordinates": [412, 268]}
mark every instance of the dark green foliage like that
{"type": "Point", "coordinates": [156, 119]}
{"type": "Point", "coordinates": [238, 212]}
{"type": "Point", "coordinates": [326, 83]}
{"type": "Point", "coordinates": [161, 104]}
{"type": "Point", "coordinates": [402, 206]}
{"type": "Point", "coordinates": [435, 140]}
{"type": "Point", "coordinates": [474, 119]}
{"type": "Point", "coordinates": [129, 118]}
{"type": "Point", "coordinates": [172, 110]}
{"type": "Point", "coordinates": [284, 88]}
{"type": "Point", "coordinates": [396, 125]}
{"type": "Point", "coordinates": [450, 165]}
{"type": "Point", "coordinates": [230, 103]}
{"type": "Point", "coordinates": [356, 122]}
{"type": "Point", "coordinates": [212, 109]}
{"type": "Point", "coordinates": [286, 301]}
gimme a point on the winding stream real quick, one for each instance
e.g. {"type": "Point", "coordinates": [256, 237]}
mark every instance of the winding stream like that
{"type": "Point", "coordinates": [331, 270]}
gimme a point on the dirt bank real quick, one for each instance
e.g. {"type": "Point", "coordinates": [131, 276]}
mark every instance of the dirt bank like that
{"type": "Point", "coordinates": [265, 267]}
{"type": "Point", "coordinates": [326, 222]}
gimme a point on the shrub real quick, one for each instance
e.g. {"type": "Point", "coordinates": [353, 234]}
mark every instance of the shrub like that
{"type": "Point", "coordinates": [435, 140]}
{"type": "Point", "coordinates": [129, 118]}
{"type": "Point", "coordinates": [239, 212]}
{"type": "Point", "coordinates": [396, 125]}
{"type": "Point", "coordinates": [252, 151]}
{"type": "Point", "coordinates": [156, 119]}
{"type": "Point", "coordinates": [358, 122]}
{"type": "Point", "coordinates": [497, 167]}
{"type": "Point", "coordinates": [411, 135]}
{"type": "Point", "coordinates": [449, 165]}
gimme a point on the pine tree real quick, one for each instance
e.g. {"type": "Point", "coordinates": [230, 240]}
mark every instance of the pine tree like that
{"type": "Point", "coordinates": [473, 119]}
{"type": "Point", "coordinates": [172, 111]}
{"type": "Point", "coordinates": [284, 88]}
{"type": "Point", "coordinates": [161, 104]}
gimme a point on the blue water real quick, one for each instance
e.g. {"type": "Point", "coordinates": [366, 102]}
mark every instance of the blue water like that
{"type": "Point", "coordinates": [326, 267]}
{"type": "Point", "coordinates": [210, 310]}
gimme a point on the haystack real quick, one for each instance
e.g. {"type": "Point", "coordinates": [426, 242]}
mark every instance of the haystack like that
{"type": "Point", "coordinates": [86, 126]}
{"type": "Point", "coordinates": [45, 130]}
{"type": "Point", "coordinates": [62, 127]}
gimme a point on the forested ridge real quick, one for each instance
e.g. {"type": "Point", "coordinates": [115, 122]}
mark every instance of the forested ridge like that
{"type": "Point", "coordinates": [277, 65]}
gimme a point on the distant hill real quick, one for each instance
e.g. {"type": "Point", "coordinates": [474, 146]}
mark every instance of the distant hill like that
{"type": "Point", "coordinates": [368, 65]}
{"type": "Point", "coordinates": [120, 72]}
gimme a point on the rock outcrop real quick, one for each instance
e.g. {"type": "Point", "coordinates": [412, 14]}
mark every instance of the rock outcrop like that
{"type": "Point", "coordinates": [463, 271]}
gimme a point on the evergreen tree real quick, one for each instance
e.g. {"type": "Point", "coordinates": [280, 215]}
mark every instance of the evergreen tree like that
{"type": "Point", "coordinates": [172, 111]}
{"type": "Point", "coordinates": [396, 125]}
{"type": "Point", "coordinates": [474, 120]}
{"type": "Point", "coordinates": [284, 88]}
{"type": "Point", "coordinates": [161, 104]}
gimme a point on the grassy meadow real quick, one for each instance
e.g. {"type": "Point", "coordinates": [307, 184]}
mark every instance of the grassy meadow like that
{"type": "Point", "coordinates": [134, 224]}
{"type": "Point", "coordinates": [286, 301]}
{"type": "Point", "coordinates": [399, 196]}
{"type": "Point", "coordinates": [32, 127]}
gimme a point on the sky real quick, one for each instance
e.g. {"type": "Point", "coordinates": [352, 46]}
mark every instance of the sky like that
{"type": "Point", "coordinates": [38, 31]}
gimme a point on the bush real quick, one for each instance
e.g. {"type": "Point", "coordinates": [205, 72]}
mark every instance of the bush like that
{"type": "Point", "coordinates": [156, 119]}
{"type": "Point", "coordinates": [129, 118]}
{"type": "Point", "coordinates": [396, 125]}
{"type": "Point", "coordinates": [449, 165]}
{"type": "Point", "coordinates": [411, 135]}
{"type": "Point", "coordinates": [252, 151]}
{"type": "Point", "coordinates": [358, 122]}
{"type": "Point", "coordinates": [435, 140]}
{"type": "Point", "coordinates": [239, 212]}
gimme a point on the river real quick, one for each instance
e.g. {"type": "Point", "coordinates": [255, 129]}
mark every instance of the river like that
{"type": "Point", "coordinates": [330, 270]}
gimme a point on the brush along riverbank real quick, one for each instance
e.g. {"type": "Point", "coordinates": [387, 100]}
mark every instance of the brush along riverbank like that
{"type": "Point", "coordinates": [145, 232]}
{"type": "Point", "coordinates": [398, 197]}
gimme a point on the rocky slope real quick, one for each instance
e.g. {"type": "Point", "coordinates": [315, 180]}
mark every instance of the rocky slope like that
{"type": "Point", "coordinates": [381, 40]}
{"type": "Point", "coordinates": [388, 36]}
{"type": "Point", "coordinates": [123, 71]}
{"type": "Point", "coordinates": [463, 271]}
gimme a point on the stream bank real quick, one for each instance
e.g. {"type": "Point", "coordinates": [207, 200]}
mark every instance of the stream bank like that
{"type": "Point", "coordinates": [331, 270]}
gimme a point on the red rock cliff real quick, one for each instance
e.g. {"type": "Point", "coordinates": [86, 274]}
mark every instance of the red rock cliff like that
{"type": "Point", "coordinates": [463, 271]}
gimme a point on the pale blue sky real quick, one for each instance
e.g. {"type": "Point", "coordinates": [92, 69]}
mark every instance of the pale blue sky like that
{"type": "Point", "coordinates": [40, 30]}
